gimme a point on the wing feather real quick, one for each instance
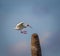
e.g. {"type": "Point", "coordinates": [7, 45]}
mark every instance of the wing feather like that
{"type": "Point", "coordinates": [20, 24]}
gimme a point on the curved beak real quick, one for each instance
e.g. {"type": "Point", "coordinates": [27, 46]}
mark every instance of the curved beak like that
{"type": "Point", "coordinates": [30, 26]}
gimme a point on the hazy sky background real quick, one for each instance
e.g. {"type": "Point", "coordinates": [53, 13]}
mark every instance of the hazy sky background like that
{"type": "Point", "coordinates": [42, 15]}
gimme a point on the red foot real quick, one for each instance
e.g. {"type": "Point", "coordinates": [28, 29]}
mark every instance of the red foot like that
{"type": "Point", "coordinates": [24, 32]}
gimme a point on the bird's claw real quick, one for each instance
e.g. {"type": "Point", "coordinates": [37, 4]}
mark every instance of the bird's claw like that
{"type": "Point", "coordinates": [24, 32]}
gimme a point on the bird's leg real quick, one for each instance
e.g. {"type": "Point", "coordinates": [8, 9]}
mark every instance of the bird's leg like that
{"type": "Point", "coordinates": [24, 32]}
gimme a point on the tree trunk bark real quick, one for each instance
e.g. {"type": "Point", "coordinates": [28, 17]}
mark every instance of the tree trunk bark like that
{"type": "Point", "coordinates": [35, 45]}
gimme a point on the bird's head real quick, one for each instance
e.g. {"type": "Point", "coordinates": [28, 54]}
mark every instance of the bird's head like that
{"type": "Point", "coordinates": [28, 25]}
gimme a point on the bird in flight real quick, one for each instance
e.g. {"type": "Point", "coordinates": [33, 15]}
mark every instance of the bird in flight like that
{"type": "Point", "coordinates": [20, 26]}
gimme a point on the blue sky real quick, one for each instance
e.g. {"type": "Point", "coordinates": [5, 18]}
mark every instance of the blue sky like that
{"type": "Point", "coordinates": [42, 15]}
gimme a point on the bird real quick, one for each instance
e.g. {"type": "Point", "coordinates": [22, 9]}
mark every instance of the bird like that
{"type": "Point", "coordinates": [21, 25]}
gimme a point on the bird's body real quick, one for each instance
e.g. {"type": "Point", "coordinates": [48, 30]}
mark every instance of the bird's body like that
{"type": "Point", "coordinates": [20, 26]}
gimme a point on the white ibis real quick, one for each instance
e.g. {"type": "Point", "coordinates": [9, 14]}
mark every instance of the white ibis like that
{"type": "Point", "coordinates": [20, 26]}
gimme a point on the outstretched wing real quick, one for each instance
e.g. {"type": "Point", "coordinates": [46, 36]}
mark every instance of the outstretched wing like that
{"type": "Point", "coordinates": [20, 24]}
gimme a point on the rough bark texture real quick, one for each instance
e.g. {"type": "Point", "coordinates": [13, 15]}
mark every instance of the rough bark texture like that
{"type": "Point", "coordinates": [35, 45]}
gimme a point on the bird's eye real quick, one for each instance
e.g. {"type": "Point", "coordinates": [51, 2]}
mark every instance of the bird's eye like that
{"type": "Point", "coordinates": [27, 25]}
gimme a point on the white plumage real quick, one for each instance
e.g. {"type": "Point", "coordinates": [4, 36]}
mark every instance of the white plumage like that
{"type": "Point", "coordinates": [20, 26]}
